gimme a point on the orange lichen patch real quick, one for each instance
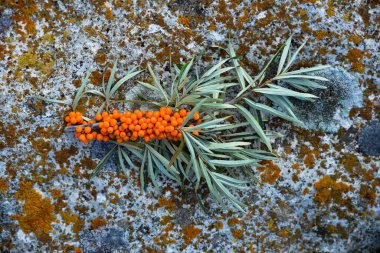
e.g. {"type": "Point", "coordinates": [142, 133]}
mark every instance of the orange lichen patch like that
{"type": "Point", "coordinates": [368, 193]}
{"type": "Point", "coordinates": [328, 190]}
{"type": "Point", "coordinates": [354, 38]}
{"type": "Point", "coordinates": [165, 220]}
{"type": "Point", "coordinates": [108, 12]}
{"type": "Point", "coordinates": [355, 56]}
{"type": "Point", "coordinates": [3, 185]}
{"type": "Point", "coordinates": [37, 214]}
{"type": "Point", "coordinates": [98, 222]}
{"type": "Point", "coordinates": [114, 198]}
{"type": "Point", "coordinates": [310, 158]}
{"type": "Point", "coordinates": [62, 156]}
{"type": "Point", "coordinates": [237, 233]}
{"type": "Point", "coordinates": [270, 172]}
{"type": "Point", "coordinates": [338, 229]}
{"type": "Point", "coordinates": [185, 21]}
{"type": "Point", "coordinates": [190, 233]}
{"type": "Point", "coordinates": [219, 225]}
{"type": "Point", "coordinates": [56, 193]}
{"type": "Point", "coordinates": [320, 34]}
{"type": "Point", "coordinates": [295, 166]}
{"type": "Point", "coordinates": [69, 218]}
{"type": "Point", "coordinates": [234, 221]}
{"type": "Point", "coordinates": [168, 203]}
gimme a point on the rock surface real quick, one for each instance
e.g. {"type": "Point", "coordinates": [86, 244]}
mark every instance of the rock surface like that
{"type": "Point", "coordinates": [369, 139]}
{"type": "Point", "coordinates": [322, 196]}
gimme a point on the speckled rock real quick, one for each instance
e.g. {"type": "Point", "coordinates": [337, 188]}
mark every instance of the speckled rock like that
{"type": "Point", "coordinates": [369, 139]}
{"type": "Point", "coordinates": [321, 196]}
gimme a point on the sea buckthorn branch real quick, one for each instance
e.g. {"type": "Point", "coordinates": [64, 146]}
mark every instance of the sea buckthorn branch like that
{"type": "Point", "coordinates": [205, 125]}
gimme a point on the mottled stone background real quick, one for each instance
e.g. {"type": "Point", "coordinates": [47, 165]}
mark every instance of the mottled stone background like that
{"type": "Point", "coordinates": [322, 196]}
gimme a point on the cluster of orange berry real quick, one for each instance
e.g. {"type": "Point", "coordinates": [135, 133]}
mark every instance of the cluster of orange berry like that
{"type": "Point", "coordinates": [147, 125]}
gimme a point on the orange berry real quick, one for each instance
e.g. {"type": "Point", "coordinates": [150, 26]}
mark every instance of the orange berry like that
{"type": "Point", "coordinates": [137, 128]}
{"type": "Point", "coordinates": [115, 111]}
{"type": "Point", "coordinates": [167, 117]}
{"type": "Point", "coordinates": [176, 115]}
{"type": "Point", "coordinates": [72, 114]}
{"type": "Point", "coordinates": [117, 132]}
{"type": "Point", "coordinates": [128, 121]}
{"type": "Point", "coordinates": [67, 119]}
{"type": "Point", "coordinates": [104, 131]}
{"type": "Point", "coordinates": [98, 117]}
{"type": "Point", "coordinates": [164, 123]}
{"type": "Point", "coordinates": [133, 116]}
{"type": "Point", "coordinates": [99, 137]}
{"type": "Point", "coordinates": [144, 126]}
{"type": "Point", "coordinates": [91, 122]}
{"type": "Point", "coordinates": [119, 140]}
{"type": "Point", "coordinates": [78, 129]}
{"type": "Point", "coordinates": [82, 137]}
{"type": "Point", "coordinates": [196, 132]}
{"type": "Point", "coordinates": [101, 124]}
{"type": "Point", "coordinates": [106, 124]}
{"type": "Point", "coordinates": [126, 138]}
{"type": "Point", "coordinates": [180, 121]}
{"type": "Point", "coordinates": [127, 114]}
{"type": "Point", "coordinates": [123, 119]}
{"type": "Point", "coordinates": [169, 111]}
{"type": "Point", "coordinates": [174, 123]}
{"type": "Point", "coordinates": [110, 130]}
{"type": "Point", "coordinates": [149, 114]}
{"type": "Point", "coordinates": [73, 121]}
{"type": "Point", "coordinates": [182, 112]}
{"type": "Point", "coordinates": [179, 135]}
{"type": "Point", "coordinates": [123, 134]}
{"type": "Point", "coordinates": [150, 125]}
{"type": "Point", "coordinates": [87, 129]}
{"type": "Point", "coordinates": [89, 137]}
{"type": "Point", "coordinates": [78, 114]}
{"type": "Point", "coordinates": [161, 128]}
{"type": "Point", "coordinates": [157, 131]}
{"type": "Point", "coordinates": [113, 122]}
{"type": "Point", "coordinates": [94, 134]}
{"type": "Point", "coordinates": [196, 116]}
{"type": "Point", "coordinates": [156, 114]}
{"type": "Point", "coordinates": [104, 114]}
{"type": "Point", "coordinates": [106, 138]}
{"type": "Point", "coordinates": [131, 127]}
{"type": "Point", "coordinates": [115, 127]}
{"type": "Point", "coordinates": [153, 119]}
{"type": "Point", "coordinates": [174, 132]}
{"type": "Point", "coordinates": [147, 138]}
{"type": "Point", "coordinates": [149, 131]}
{"type": "Point", "coordinates": [141, 133]}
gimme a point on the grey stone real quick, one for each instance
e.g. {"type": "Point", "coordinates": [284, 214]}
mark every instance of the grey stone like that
{"type": "Point", "coordinates": [369, 139]}
{"type": "Point", "coordinates": [331, 109]}
{"type": "Point", "coordinates": [99, 150]}
{"type": "Point", "coordinates": [104, 241]}
{"type": "Point", "coordinates": [5, 23]}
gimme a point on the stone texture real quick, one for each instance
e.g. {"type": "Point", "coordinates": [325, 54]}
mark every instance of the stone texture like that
{"type": "Point", "coordinates": [369, 139]}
